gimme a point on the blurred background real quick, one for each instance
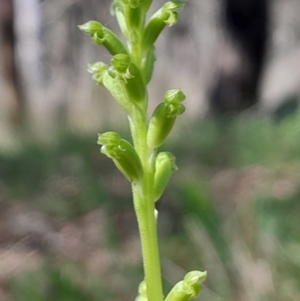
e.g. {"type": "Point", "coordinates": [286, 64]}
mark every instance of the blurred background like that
{"type": "Point", "coordinates": [67, 227]}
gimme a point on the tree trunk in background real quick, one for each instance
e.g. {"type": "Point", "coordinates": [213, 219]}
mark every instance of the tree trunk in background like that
{"type": "Point", "coordinates": [241, 59]}
{"type": "Point", "coordinates": [12, 90]}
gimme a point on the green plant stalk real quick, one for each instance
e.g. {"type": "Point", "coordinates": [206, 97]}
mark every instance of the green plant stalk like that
{"type": "Point", "coordinates": [144, 207]}
{"type": "Point", "coordinates": [147, 229]}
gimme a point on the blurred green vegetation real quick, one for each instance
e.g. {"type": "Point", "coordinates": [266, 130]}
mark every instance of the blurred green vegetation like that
{"type": "Point", "coordinates": [246, 235]}
{"type": "Point", "coordinates": [68, 164]}
{"type": "Point", "coordinates": [59, 283]}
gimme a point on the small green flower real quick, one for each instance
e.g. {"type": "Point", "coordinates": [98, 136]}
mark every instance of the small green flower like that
{"type": "Point", "coordinates": [167, 15]}
{"type": "Point", "coordinates": [164, 167]}
{"type": "Point", "coordinates": [115, 86]}
{"type": "Point", "coordinates": [120, 67]}
{"type": "Point", "coordinates": [101, 35]}
{"type": "Point", "coordinates": [123, 70]}
{"type": "Point", "coordinates": [123, 80]}
{"type": "Point", "coordinates": [98, 69]}
{"type": "Point", "coordinates": [164, 117]}
{"type": "Point", "coordinates": [188, 288]}
{"type": "Point", "coordinates": [123, 155]}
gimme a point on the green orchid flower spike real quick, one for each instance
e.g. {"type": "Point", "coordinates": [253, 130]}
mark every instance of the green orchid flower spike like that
{"type": "Point", "coordinates": [148, 171]}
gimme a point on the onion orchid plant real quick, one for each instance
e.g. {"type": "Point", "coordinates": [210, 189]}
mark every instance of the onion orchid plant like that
{"type": "Point", "coordinates": [147, 169]}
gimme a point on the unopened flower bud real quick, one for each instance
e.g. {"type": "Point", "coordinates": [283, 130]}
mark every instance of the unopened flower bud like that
{"type": "Point", "coordinates": [123, 155]}
{"type": "Point", "coordinates": [164, 117]}
{"type": "Point", "coordinates": [164, 167]}
{"type": "Point", "coordinates": [188, 288]}
{"type": "Point", "coordinates": [101, 35]}
{"type": "Point", "coordinates": [167, 15]}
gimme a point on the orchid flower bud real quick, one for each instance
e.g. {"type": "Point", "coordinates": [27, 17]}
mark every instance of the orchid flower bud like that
{"type": "Point", "coordinates": [123, 155]}
{"type": "Point", "coordinates": [167, 15]}
{"type": "Point", "coordinates": [164, 167]}
{"type": "Point", "coordinates": [101, 35]}
{"type": "Point", "coordinates": [188, 288]}
{"type": "Point", "coordinates": [164, 117]}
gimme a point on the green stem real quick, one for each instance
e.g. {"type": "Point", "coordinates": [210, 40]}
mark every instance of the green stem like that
{"type": "Point", "coordinates": [136, 52]}
{"type": "Point", "coordinates": [144, 208]}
